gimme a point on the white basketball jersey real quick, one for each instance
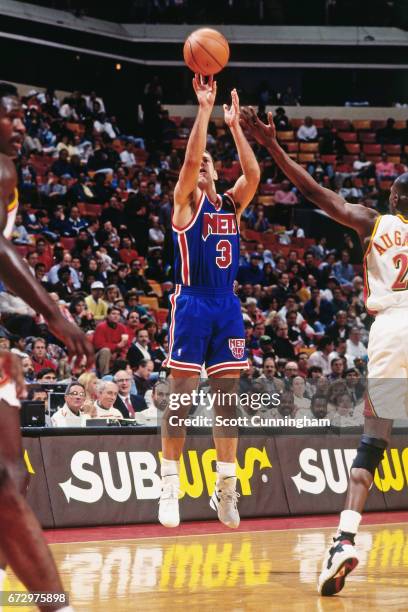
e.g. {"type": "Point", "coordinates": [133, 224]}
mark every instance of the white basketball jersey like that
{"type": "Point", "coordinates": [11, 216]}
{"type": "Point", "coordinates": [386, 265]}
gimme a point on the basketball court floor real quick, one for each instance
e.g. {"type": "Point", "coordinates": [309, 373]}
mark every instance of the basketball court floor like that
{"type": "Point", "coordinates": [268, 564]}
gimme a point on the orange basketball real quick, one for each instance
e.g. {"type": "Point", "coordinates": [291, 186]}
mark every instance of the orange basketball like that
{"type": "Point", "coordinates": [206, 51]}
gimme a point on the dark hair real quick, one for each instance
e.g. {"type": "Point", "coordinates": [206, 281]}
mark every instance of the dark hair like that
{"type": "Point", "coordinates": [324, 341]}
{"type": "Point", "coordinates": [112, 308]}
{"type": "Point", "coordinates": [318, 397]}
{"type": "Point", "coordinates": [7, 89]}
{"type": "Point", "coordinates": [44, 372]}
{"type": "Point", "coordinates": [142, 363]}
{"type": "Point", "coordinates": [73, 383]}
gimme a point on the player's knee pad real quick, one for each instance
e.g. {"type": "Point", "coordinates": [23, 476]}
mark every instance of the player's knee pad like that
{"type": "Point", "coordinates": [369, 453]}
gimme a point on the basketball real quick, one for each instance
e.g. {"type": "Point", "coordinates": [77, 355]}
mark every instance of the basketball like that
{"type": "Point", "coordinates": [206, 51]}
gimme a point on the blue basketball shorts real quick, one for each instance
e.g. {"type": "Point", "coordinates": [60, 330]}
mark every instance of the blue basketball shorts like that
{"type": "Point", "coordinates": [206, 328]}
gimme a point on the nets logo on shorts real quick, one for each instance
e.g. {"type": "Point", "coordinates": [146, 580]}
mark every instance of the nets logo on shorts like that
{"type": "Point", "coordinates": [237, 347]}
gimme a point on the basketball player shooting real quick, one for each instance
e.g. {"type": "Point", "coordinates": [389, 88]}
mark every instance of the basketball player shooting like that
{"type": "Point", "coordinates": [206, 321]}
{"type": "Point", "coordinates": [385, 241]}
{"type": "Point", "coordinates": [22, 544]}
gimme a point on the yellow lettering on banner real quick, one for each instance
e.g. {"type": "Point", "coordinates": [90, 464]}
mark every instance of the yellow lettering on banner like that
{"type": "Point", "coordinates": [390, 480]}
{"type": "Point", "coordinates": [216, 566]}
{"type": "Point", "coordinates": [245, 473]}
{"type": "Point", "coordinates": [390, 544]}
{"type": "Point", "coordinates": [196, 487]}
{"type": "Point", "coordinates": [27, 461]}
{"type": "Point", "coordinates": [245, 564]}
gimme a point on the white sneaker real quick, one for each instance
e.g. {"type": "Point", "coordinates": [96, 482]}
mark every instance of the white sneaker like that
{"type": "Point", "coordinates": [224, 501]}
{"type": "Point", "coordinates": [340, 560]}
{"type": "Point", "coordinates": [169, 514]}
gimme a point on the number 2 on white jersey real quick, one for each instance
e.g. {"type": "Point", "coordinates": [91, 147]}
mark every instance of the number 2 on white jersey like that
{"type": "Point", "coordinates": [401, 263]}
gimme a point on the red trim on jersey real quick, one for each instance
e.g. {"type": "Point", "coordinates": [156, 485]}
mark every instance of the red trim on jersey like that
{"type": "Point", "coordinates": [185, 259]}
{"type": "Point", "coordinates": [180, 365]}
{"type": "Point", "coordinates": [172, 324]}
{"type": "Point", "coordinates": [192, 220]}
{"type": "Point", "coordinates": [228, 365]}
{"type": "Point", "coordinates": [366, 286]}
{"type": "Point", "coordinates": [229, 195]}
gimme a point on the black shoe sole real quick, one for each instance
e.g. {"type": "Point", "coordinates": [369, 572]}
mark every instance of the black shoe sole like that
{"type": "Point", "coordinates": [336, 583]}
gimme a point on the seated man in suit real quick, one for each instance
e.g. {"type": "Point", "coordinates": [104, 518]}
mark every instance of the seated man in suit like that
{"type": "Point", "coordinates": [139, 349]}
{"type": "Point", "coordinates": [128, 404]}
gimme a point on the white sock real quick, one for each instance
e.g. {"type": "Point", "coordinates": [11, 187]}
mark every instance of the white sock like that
{"type": "Point", "coordinates": [170, 467]}
{"type": "Point", "coordinates": [349, 521]}
{"type": "Point", "coordinates": [2, 577]}
{"type": "Point", "coordinates": [226, 470]}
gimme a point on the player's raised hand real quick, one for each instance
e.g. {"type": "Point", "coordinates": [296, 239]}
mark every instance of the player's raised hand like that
{"type": "Point", "coordinates": [263, 133]}
{"type": "Point", "coordinates": [231, 114]}
{"type": "Point", "coordinates": [11, 368]}
{"type": "Point", "coordinates": [205, 91]}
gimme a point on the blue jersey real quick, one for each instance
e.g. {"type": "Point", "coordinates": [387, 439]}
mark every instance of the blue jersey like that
{"type": "Point", "coordinates": [206, 250]}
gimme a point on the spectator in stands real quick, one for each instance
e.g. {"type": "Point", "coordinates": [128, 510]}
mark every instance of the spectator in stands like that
{"type": "Point", "coordinates": [142, 372]}
{"type": "Point", "coordinates": [343, 270]}
{"type": "Point", "coordinates": [94, 302]}
{"type": "Point", "coordinates": [156, 235]}
{"type": "Point", "coordinates": [71, 415]}
{"type": "Point", "coordinates": [19, 233]}
{"type": "Point", "coordinates": [362, 167]}
{"type": "Point", "coordinates": [355, 349]}
{"type": "Point", "coordinates": [110, 340]}
{"type": "Point", "coordinates": [46, 375]}
{"type": "Point", "coordinates": [385, 169]}
{"type": "Point", "coordinates": [281, 120]}
{"type": "Point", "coordinates": [159, 354]}
{"type": "Point", "coordinates": [339, 329]}
{"type": "Point", "coordinates": [337, 369]}
{"type": "Point", "coordinates": [127, 157]}
{"type": "Point", "coordinates": [320, 358]}
{"type": "Point", "coordinates": [126, 402]}
{"type": "Point", "coordinates": [107, 393]}
{"type": "Point", "coordinates": [251, 273]}
{"type": "Point", "coordinates": [349, 192]}
{"type": "Point", "coordinates": [270, 383]}
{"type": "Point", "coordinates": [318, 311]}
{"type": "Point", "coordinates": [139, 349]}
{"type": "Point", "coordinates": [286, 195]}
{"type": "Point", "coordinates": [319, 406]}
{"type": "Point", "coordinates": [308, 131]}
{"type": "Point", "coordinates": [39, 356]}
{"type": "Point", "coordinates": [389, 134]}
{"type": "Point", "coordinates": [289, 98]}
{"type": "Point", "coordinates": [302, 402]}
{"type": "Point", "coordinates": [66, 261]}
{"type": "Point", "coordinates": [88, 380]}
{"type": "Point", "coordinates": [28, 369]}
{"type": "Point", "coordinates": [282, 345]}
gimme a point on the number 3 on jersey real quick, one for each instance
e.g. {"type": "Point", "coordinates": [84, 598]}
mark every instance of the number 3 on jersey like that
{"type": "Point", "coordinates": [401, 263]}
{"type": "Point", "coordinates": [224, 249]}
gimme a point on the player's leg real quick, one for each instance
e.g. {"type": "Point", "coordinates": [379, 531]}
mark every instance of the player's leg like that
{"type": "Point", "coordinates": [225, 384]}
{"type": "Point", "coordinates": [173, 439]}
{"type": "Point", "coordinates": [21, 539]}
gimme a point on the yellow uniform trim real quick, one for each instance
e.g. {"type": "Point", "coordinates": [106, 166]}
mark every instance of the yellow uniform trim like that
{"type": "Point", "coordinates": [14, 202]}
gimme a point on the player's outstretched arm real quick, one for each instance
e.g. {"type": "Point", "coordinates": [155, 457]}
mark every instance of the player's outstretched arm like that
{"type": "Point", "coordinates": [187, 183]}
{"type": "Point", "coordinates": [15, 273]}
{"type": "Point", "coordinates": [246, 186]}
{"type": "Point", "coordinates": [356, 216]}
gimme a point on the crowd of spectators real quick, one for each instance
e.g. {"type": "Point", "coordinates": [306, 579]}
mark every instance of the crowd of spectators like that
{"type": "Point", "coordinates": [94, 226]}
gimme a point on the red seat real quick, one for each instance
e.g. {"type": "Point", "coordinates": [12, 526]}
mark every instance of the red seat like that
{"type": "Point", "coordinates": [392, 149]}
{"type": "Point", "coordinates": [161, 315]}
{"type": "Point", "coordinates": [22, 249]}
{"type": "Point", "coordinates": [378, 124]}
{"type": "Point", "coordinates": [386, 185]}
{"type": "Point", "coordinates": [372, 149]}
{"type": "Point", "coordinates": [367, 137]}
{"type": "Point", "coordinates": [353, 147]}
{"type": "Point", "coordinates": [90, 210]}
{"type": "Point", "coordinates": [347, 136]}
{"type": "Point", "coordinates": [343, 125]}
{"type": "Point", "coordinates": [350, 159]}
{"type": "Point", "coordinates": [329, 159]}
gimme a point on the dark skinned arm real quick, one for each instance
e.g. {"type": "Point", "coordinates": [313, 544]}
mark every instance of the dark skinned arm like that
{"type": "Point", "coordinates": [356, 216]}
{"type": "Point", "coordinates": [15, 273]}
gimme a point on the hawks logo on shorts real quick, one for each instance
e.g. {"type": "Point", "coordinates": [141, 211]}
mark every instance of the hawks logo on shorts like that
{"type": "Point", "coordinates": [237, 347]}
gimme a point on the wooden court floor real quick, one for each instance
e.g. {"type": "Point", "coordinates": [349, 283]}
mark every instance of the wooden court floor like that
{"type": "Point", "coordinates": [231, 571]}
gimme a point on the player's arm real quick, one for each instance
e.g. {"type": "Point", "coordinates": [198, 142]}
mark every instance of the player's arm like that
{"type": "Point", "coordinates": [188, 178]}
{"type": "Point", "coordinates": [356, 216]}
{"type": "Point", "coordinates": [247, 184]}
{"type": "Point", "coordinates": [15, 273]}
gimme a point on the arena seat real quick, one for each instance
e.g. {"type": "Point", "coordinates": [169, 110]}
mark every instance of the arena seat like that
{"type": "Point", "coordinates": [309, 147]}
{"type": "Point", "coordinates": [284, 136]}
{"type": "Point", "coordinates": [372, 149]}
{"type": "Point", "coordinates": [392, 149]}
{"type": "Point", "coordinates": [347, 136]}
{"type": "Point", "coordinates": [362, 124]}
{"type": "Point", "coordinates": [400, 125]}
{"type": "Point", "coordinates": [329, 158]}
{"type": "Point", "coordinates": [67, 242]}
{"type": "Point", "coordinates": [385, 185]}
{"type": "Point", "coordinates": [394, 159]}
{"type": "Point", "coordinates": [292, 147]}
{"type": "Point", "coordinates": [342, 125]}
{"type": "Point", "coordinates": [378, 124]}
{"type": "Point", "coordinates": [306, 157]}
{"type": "Point", "coordinates": [367, 137]}
{"type": "Point", "coordinates": [266, 200]}
{"type": "Point", "coordinates": [353, 147]}
{"type": "Point", "coordinates": [161, 315]}
{"type": "Point", "coordinates": [156, 287]}
{"type": "Point", "coordinates": [149, 300]}
{"type": "Point", "coordinates": [90, 210]}
{"type": "Point", "coordinates": [179, 143]}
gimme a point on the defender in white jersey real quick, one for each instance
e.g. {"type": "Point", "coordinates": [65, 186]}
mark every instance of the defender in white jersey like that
{"type": "Point", "coordinates": [385, 241]}
{"type": "Point", "coordinates": [22, 545]}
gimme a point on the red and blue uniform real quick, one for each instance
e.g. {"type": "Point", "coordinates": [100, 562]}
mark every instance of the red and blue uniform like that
{"type": "Point", "coordinates": [206, 325]}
